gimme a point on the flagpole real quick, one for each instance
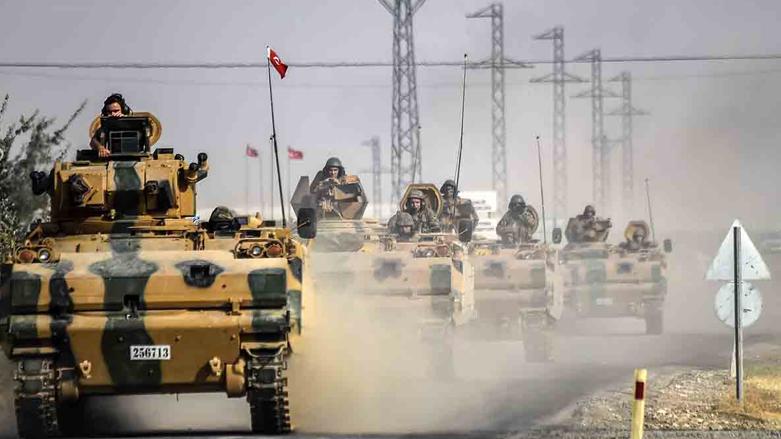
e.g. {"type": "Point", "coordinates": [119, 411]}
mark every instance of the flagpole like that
{"type": "Point", "coordinates": [288, 174]}
{"type": "Point", "coordinates": [261, 196]}
{"type": "Point", "coordinates": [274, 137]}
{"type": "Point", "coordinates": [271, 179]}
{"type": "Point", "coordinates": [246, 178]}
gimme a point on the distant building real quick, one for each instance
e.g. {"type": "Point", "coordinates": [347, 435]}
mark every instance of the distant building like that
{"type": "Point", "coordinates": [486, 205]}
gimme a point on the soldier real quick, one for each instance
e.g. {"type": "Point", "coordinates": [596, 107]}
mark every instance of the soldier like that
{"type": "Point", "coordinates": [113, 106]}
{"type": "Point", "coordinates": [422, 215]}
{"type": "Point", "coordinates": [518, 224]}
{"type": "Point", "coordinates": [587, 227]}
{"type": "Point", "coordinates": [637, 242]}
{"type": "Point", "coordinates": [455, 208]}
{"type": "Point", "coordinates": [222, 219]}
{"type": "Point", "coordinates": [403, 225]}
{"type": "Point", "coordinates": [331, 174]}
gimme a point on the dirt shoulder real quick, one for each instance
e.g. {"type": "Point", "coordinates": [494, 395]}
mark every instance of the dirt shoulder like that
{"type": "Point", "coordinates": [686, 399]}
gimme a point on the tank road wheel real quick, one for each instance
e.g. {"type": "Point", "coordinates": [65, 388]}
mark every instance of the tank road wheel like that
{"type": "Point", "coordinates": [654, 319]}
{"type": "Point", "coordinates": [35, 399]}
{"type": "Point", "coordinates": [267, 393]}
{"type": "Point", "coordinates": [537, 338]}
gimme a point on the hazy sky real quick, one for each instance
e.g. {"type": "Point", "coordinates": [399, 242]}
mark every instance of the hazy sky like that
{"type": "Point", "coordinates": [709, 146]}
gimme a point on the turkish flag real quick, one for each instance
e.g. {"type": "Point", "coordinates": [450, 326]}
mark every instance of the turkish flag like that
{"type": "Point", "coordinates": [294, 154]}
{"type": "Point", "coordinates": [276, 62]}
{"type": "Point", "coordinates": [251, 152]}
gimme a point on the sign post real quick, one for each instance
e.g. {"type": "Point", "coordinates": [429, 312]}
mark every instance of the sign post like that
{"type": "Point", "coordinates": [738, 316]}
{"type": "Point", "coordinates": [737, 261]}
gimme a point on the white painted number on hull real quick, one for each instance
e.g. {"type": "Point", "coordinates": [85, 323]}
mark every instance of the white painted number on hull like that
{"type": "Point", "coordinates": [150, 352]}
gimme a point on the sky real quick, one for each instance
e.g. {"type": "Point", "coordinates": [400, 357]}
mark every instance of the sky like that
{"type": "Point", "coordinates": [709, 145]}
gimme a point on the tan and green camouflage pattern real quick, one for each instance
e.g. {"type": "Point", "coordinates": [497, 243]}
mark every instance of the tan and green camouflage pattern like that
{"type": "Point", "coordinates": [126, 264]}
{"type": "Point", "coordinates": [605, 280]}
{"type": "Point", "coordinates": [510, 282]}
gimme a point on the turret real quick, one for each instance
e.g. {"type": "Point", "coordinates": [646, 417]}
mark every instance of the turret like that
{"type": "Point", "coordinates": [131, 182]}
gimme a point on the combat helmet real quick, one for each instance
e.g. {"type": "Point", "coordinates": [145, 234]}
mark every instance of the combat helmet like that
{"type": "Point", "coordinates": [222, 219]}
{"type": "Point", "coordinates": [589, 209]}
{"type": "Point", "coordinates": [447, 183]}
{"type": "Point", "coordinates": [516, 200]}
{"type": "Point", "coordinates": [334, 162]}
{"type": "Point", "coordinates": [405, 225]}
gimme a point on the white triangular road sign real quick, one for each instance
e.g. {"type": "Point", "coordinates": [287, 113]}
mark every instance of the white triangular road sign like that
{"type": "Point", "coordinates": [723, 265]}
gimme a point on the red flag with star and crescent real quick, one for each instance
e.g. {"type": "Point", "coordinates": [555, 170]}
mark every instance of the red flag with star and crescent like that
{"type": "Point", "coordinates": [275, 61]}
{"type": "Point", "coordinates": [251, 152]}
{"type": "Point", "coordinates": [294, 154]}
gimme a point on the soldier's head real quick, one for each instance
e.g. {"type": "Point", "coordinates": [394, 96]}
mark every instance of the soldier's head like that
{"type": "Point", "coordinates": [448, 189]}
{"type": "Point", "coordinates": [115, 106]}
{"type": "Point", "coordinates": [333, 168]}
{"type": "Point", "coordinates": [223, 219]}
{"type": "Point", "coordinates": [517, 204]}
{"type": "Point", "coordinates": [589, 212]}
{"type": "Point", "coordinates": [405, 225]}
{"type": "Point", "coordinates": [415, 200]}
{"type": "Point", "coordinates": [638, 236]}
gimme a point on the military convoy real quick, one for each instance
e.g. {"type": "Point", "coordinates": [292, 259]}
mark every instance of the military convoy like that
{"type": "Point", "coordinates": [124, 292]}
{"type": "Point", "coordinates": [604, 280]}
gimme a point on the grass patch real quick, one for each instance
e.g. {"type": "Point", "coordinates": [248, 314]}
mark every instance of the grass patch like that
{"type": "Point", "coordinates": [761, 393]}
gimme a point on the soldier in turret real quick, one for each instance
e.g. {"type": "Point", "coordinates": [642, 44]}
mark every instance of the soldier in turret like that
{"type": "Point", "coordinates": [331, 174]}
{"type": "Point", "coordinates": [518, 224]}
{"type": "Point", "coordinates": [638, 239]}
{"type": "Point", "coordinates": [422, 215]}
{"type": "Point", "coordinates": [403, 226]}
{"type": "Point", "coordinates": [587, 227]}
{"type": "Point", "coordinates": [113, 106]}
{"type": "Point", "coordinates": [455, 208]}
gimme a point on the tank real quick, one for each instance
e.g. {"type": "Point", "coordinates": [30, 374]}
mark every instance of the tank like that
{"type": "Point", "coordinates": [605, 280]}
{"type": "Point", "coordinates": [124, 291]}
{"type": "Point", "coordinates": [518, 292]}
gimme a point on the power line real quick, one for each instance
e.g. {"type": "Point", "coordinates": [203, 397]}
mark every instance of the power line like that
{"type": "Point", "coordinates": [353, 85]}
{"type": "Point", "coordinates": [365, 64]}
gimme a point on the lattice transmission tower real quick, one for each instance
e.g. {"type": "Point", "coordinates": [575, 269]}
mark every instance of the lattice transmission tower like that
{"type": "Point", "coordinates": [600, 157]}
{"type": "Point", "coordinates": [558, 78]}
{"type": "Point", "coordinates": [376, 171]}
{"type": "Point", "coordinates": [405, 120]}
{"type": "Point", "coordinates": [495, 12]}
{"type": "Point", "coordinates": [627, 111]}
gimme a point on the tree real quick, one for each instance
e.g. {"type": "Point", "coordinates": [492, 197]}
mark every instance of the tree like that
{"type": "Point", "coordinates": [31, 143]}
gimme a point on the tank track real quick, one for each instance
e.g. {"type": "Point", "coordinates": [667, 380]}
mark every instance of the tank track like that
{"type": "Point", "coordinates": [35, 398]}
{"type": "Point", "coordinates": [267, 392]}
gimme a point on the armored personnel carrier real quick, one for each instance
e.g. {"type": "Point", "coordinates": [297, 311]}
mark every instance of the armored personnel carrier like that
{"type": "Point", "coordinates": [425, 276]}
{"type": "Point", "coordinates": [518, 292]}
{"type": "Point", "coordinates": [604, 280]}
{"type": "Point", "coordinates": [344, 236]}
{"type": "Point", "coordinates": [123, 292]}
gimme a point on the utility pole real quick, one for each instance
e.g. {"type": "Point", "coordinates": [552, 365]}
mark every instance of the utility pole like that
{"type": "Point", "coordinates": [558, 78]}
{"type": "Point", "coordinates": [495, 12]}
{"type": "Point", "coordinates": [374, 144]}
{"type": "Point", "coordinates": [627, 112]}
{"type": "Point", "coordinates": [405, 121]}
{"type": "Point", "coordinates": [600, 157]}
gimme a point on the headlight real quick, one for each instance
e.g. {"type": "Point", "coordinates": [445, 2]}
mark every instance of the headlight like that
{"type": "Point", "coordinates": [44, 255]}
{"type": "Point", "coordinates": [255, 251]}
